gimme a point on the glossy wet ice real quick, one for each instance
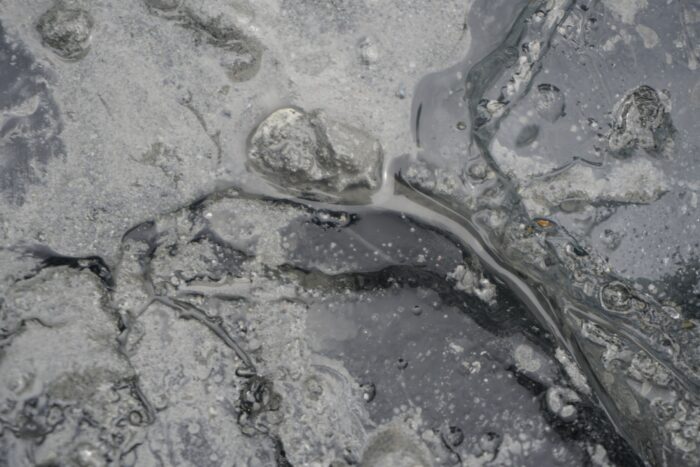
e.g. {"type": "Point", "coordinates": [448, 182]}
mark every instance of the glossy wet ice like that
{"type": "Point", "coordinates": [477, 312]}
{"type": "Point", "coordinates": [571, 188]}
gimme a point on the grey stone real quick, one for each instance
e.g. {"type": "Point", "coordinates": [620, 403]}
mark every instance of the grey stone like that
{"type": "Point", "coordinates": [309, 151]}
{"type": "Point", "coordinates": [66, 28]}
{"type": "Point", "coordinates": [641, 122]}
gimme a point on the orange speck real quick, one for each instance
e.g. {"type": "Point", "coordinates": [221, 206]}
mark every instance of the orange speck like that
{"type": "Point", "coordinates": [544, 223]}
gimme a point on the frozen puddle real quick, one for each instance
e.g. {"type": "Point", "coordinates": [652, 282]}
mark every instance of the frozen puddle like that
{"type": "Point", "coordinates": [294, 232]}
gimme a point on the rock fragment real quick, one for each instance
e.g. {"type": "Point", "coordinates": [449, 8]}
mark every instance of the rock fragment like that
{"type": "Point", "coordinates": [641, 122]}
{"type": "Point", "coordinates": [309, 151]}
{"type": "Point", "coordinates": [66, 28]}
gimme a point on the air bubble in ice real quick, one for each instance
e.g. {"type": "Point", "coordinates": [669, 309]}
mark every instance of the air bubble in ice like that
{"type": "Point", "coordinates": [610, 239]}
{"type": "Point", "coordinates": [257, 395]}
{"type": "Point", "coordinates": [490, 442]}
{"type": "Point", "coordinates": [453, 436]}
{"type": "Point", "coordinates": [560, 402]}
{"type": "Point", "coordinates": [478, 170]}
{"type": "Point", "coordinates": [369, 52]}
{"type": "Point", "coordinates": [369, 391]}
{"type": "Point", "coordinates": [87, 455]}
{"type": "Point", "coordinates": [528, 134]}
{"type": "Point", "coordinates": [616, 296]}
{"type": "Point", "coordinates": [314, 387]}
{"type": "Point", "coordinates": [550, 103]}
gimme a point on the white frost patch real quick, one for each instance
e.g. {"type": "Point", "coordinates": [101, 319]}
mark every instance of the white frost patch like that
{"type": "Point", "coordinates": [526, 359]}
{"type": "Point", "coordinates": [578, 379]}
{"type": "Point", "coordinates": [610, 44]}
{"type": "Point", "coordinates": [560, 402]}
{"type": "Point", "coordinates": [626, 9]}
{"type": "Point", "coordinates": [474, 283]}
{"type": "Point", "coordinates": [627, 181]}
{"type": "Point", "coordinates": [599, 456]}
{"type": "Point", "coordinates": [518, 167]}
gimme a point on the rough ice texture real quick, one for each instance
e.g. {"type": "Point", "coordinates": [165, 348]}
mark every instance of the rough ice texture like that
{"type": "Point", "coordinates": [163, 78]}
{"type": "Point", "coordinates": [66, 28]}
{"type": "Point", "coordinates": [300, 150]}
{"type": "Point", "coordinates": [213, 338]}
{"type": "Point", "coordinates": [214, 332]}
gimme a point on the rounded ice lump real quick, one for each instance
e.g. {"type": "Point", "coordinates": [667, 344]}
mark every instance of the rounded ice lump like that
{"type": "Point", "coordinates": [312, 152]}
{"type": "Point", "coordinates": [66, 29]}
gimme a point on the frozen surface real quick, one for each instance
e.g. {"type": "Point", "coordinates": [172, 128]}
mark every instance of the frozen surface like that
{"type": "Point", "coordinates": [376, 232]}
